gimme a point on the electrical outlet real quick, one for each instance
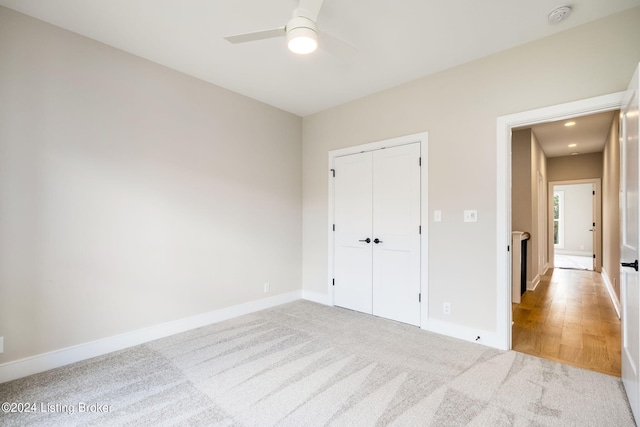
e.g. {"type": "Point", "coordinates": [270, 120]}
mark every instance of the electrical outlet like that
{"type": "Point", "coordinates": [1, 344]}
{"type": "Point", "coordinates": [471, 216]}
{"type": "Point", "coordinates": [267, 288]}
{"type": "Point", "coordinates": [446, 308]}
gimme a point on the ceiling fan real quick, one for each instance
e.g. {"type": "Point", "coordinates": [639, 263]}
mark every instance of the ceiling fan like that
{"type": "Point", "coordinates": [302, 33]}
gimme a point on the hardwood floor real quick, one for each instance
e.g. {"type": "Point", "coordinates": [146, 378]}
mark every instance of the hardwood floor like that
{"type": "Point", "coordinates": [569, 318]}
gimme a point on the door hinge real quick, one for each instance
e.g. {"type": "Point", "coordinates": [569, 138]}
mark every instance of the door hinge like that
{"type": "Point", "coordinates": [419, 229]}
{"type": "Point", "coordinates": [419, 297]}
{"type": "Point", "coordinates": [419, 161]}
{"type": "Point", "coordinates": [594, 224]}
{"type": "Point", "coordinates": [508, 248]}
{"type": "Point", "coordinates": [593, 192]}
{"type": "Point", "coordinates": [333, 282]}
{"type": "Point", "coordinates": [334, 227]}
{"type": "Point", "coordinates": [594, 256]}
{"type": "Point", "coordinates": [333, 171]}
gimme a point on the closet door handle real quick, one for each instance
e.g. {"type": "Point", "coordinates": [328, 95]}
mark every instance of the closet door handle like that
{"type": "Point", "coordinates": [368, 240]}
{"type": "Point", "coordinates": [376, 241]}
{"type": "Point", "coordinates": [633, 265]}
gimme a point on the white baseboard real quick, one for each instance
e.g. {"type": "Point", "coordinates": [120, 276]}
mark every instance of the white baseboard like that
{"type": "Point", "coordinates": [488, 338]}
{"type": "Point", "coordinates": [32, 365]}
{"type": "Point", "coordinates": [316, 297]}
{"type": "Point", "coordinates": [612, 292]}
{"type": "Point", "coordinates": [533, 284]}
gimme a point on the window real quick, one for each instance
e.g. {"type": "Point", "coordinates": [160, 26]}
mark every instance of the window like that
{"type": "Point", "coordinates": [558, 219]}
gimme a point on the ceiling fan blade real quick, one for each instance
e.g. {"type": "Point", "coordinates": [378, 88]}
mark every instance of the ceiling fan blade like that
{"type": "Point", "coordinates": [257, 35]}
{"type": "Point", "coordinates": [310, 8]}
{"type": "Point", "coordinates": [336, 46]}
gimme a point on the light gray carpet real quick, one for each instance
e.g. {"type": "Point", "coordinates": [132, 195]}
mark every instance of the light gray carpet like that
{"type": "Point", "coordinates": [304, 364]}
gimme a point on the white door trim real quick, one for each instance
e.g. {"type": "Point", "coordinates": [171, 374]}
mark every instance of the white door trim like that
{"type": "Point", "coordinates": [503, 195]}
{"type": "Point", "coordinates": [422, 138]}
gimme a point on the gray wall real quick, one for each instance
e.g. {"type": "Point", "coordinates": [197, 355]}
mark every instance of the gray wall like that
{"type": "Point", "coordinates": [459, 108]}
{"type": "Point", "coordinates": [131, 194]}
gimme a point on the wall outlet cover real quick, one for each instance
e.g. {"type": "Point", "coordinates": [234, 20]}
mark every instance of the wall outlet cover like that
{"type": "Point", "coordinates": [446, 308]}
{"type": "Point", "coordinates": [471, 216]}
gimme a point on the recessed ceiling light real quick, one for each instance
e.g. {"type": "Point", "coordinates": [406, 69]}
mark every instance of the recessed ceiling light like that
{"type": "Point", "coordinates": [573, 145]}
{"type": "Point", "coordinates": [568, 124]}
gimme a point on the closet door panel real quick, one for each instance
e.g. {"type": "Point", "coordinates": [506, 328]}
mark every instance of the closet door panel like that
{"type": "Point", "coordinates": [396, 222]}
{"type": "Point", "coordinates": [353, 222]}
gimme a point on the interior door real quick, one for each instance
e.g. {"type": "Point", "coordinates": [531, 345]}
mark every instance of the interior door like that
{"type": "Point", "coordinates": [396, 233]}
{"type": "Point", "coordinates": [630, 239]}
{"type": "Point", "coordinates": [353, 226]}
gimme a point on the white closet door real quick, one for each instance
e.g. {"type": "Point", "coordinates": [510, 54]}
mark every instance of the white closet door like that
{"type": "Point", "coordinates": [396, 221]}
{"type": "Point", "coordinates": [353, 221]}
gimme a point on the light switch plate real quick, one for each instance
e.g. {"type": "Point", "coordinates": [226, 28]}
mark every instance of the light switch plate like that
{"type": "Point", "coordinates": [437, 216]}
{"type": "Point", "coordinates": [471, 216]}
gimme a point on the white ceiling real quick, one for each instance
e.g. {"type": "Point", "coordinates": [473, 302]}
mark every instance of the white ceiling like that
{"type": "Point", "coordinates": [589, 134]}
{"type": "Point", "coordinates": [398, 41]}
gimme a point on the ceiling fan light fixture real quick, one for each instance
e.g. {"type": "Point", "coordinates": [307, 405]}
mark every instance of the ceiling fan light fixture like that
{"type": "Point", "coordinates": [302, 35]}
{"type": "Point", "coordinates": [302, 40]}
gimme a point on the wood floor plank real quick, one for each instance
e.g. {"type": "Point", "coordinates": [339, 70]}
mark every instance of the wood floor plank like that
{"type": "Point", "coordinates": [570, 354]}
{"type": "Point", "coordinates": [569, 318]}
{"type": "Point", "coordinates": [549, 345]}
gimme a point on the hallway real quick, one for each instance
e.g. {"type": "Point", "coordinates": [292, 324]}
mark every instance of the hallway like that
{"type": "Point", "coordinates": [569, 318]}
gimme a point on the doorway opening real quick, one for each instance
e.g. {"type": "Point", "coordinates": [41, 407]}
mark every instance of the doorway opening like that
{"type": "Point", "coordinates": [505, 125]}
{"type": "Point", "coordinates": [565, 316]}
{"type": "Point", "coordinates": [575, 235]}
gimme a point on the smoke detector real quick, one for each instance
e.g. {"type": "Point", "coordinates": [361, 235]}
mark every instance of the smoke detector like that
{"type": "Point", "coordinates": [558, 14]}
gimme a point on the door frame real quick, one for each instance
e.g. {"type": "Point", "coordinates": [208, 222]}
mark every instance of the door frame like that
{"type": "Point", "coordinates": [597, 214]}
{"type": "Point", "coordinates": [421, 138]}
{"type": "Point", "coordinates": [505, 123]}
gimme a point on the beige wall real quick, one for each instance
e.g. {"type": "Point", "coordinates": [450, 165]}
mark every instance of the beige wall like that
{"type": "Point", "coordinates": [610, 207]}
{"type": "Point", "coordinates": [582, 166]}
{"type": "Point", "coordinates": [539, 230]}
{"type": "Point", "coordinates": [521, 180]}
{"type": "Point", "coordinates": [527, 213]}
{"type": "Point", "coordinates": [459, 108]}
{"type": "Point", "coordinates": [131, 194]}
